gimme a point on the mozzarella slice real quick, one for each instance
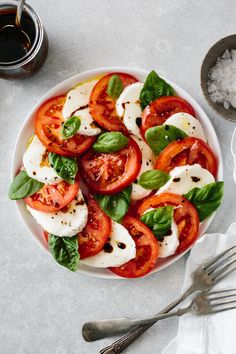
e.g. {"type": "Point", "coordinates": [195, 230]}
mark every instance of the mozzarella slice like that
{"type": "Point", "coordinates": [185, 178]}
{"type": "Point", "coordinates": [189, 124]}
{"type": "Point", "coordinates": [76, 103]}
{"type": "Point", "coordinates": [130, 94]}
{"type": "Point", "coordinates": [36, 163]}
{"type": "Point", "coordinates": [87, 126]}
{"type": "Point", "coordinates": [170, 243]}
{"type": "Point", "coordinates": [78, 98]}
{"type": "Point", "coordinates": [128, 107]}
{"type": "Point", "coordinates": [120, 249]}
{"type": "Point", "coordinates": [148, 163]}
{"type": "Point", "coordinates": [68, 222]}
{"type": "Point", "coordinates": [132, 118]}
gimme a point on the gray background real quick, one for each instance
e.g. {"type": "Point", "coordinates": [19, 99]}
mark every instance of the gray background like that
{"type": "Point", "coordinates": [42, 305]}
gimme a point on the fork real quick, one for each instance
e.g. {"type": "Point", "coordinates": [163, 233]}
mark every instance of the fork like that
{"type": "Point", "coordinates": [204, 278]}
{"type": "Point", "coordinates": [203, 304]}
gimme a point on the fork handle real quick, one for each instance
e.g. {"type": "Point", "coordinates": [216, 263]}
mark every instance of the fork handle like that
{"type": "Point", "coordinates": [95, 330]}
{"type": "Point", "coordinates": [123, 342]}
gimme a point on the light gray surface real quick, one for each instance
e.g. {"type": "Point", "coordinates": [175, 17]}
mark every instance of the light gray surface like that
{"type": "Point", "coordinates": [42, 305]}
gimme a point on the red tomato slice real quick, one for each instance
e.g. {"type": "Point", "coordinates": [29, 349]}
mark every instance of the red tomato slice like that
{"type": "Point", "coordinates": [48, 125]}
{"type": "Point", "coordinates": [187, 152]}
{"type": "Point", "coordinates": [52, 198]}
{"type": "Point", "coordinates": [146, 250]}
{"type": "Point", "coordinates": [45, 235]}
{"type": "Point", "coordinates": [103, 107]}
{"type": "Point", "coordinates": [110, 173]}
{"type": "Point", "coordinates": [96, 232]}
{"type": "Point", "coordinates": [185, 216]}
{"type": "Point", "coordinates": [162, 108]}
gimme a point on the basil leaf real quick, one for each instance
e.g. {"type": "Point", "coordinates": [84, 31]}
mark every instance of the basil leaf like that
{"type": "Point", "coordinates": [65, 251]}
{"type": "Point", "coordinates": [153, 179]}
{"type": "Point", "coordinates": [110, 142]}
{"type": "Point", "coordinates": [161, 136]}
{"type": "Point", "coordinates": [70, 127]}
{"type": "Point", "coordinates": [153, 88]}
{"type": "Point", "coordinates": [65, 167]}
{"type": "Point", "coordinates": [115, 86]}
{"type": "Point", "coordinates": [117, 205]}
{"type": "Point", "coordinates": [23, 186]}
{"type": "Point", "coordinates": [159, 220]}
{"type": "Point", "coordinates": [206, 199]}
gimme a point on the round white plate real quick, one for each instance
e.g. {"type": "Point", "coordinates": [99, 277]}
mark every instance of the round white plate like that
{"type": "Point", "coordinates": [27, 130]}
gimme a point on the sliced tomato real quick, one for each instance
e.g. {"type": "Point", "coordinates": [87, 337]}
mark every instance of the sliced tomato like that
{"type": "Point", "coordinates": [162, 108]}
{"type": "Point", "coordinates": [185, 216]}
{"type": "Point", "coordinates": [146, 250]}
{"type": "Point", "coordinates": [187, 152]}
{"type": "Point", "coordinates": [96, 232]}
{"type": "Point", "coordinates": [103, 107]}
{"type": "Point", "coordinates": [52, 198]}
{"type": "Point", "coordinates": [45, 233]}
{"type": "Point", "coordinates": [48, 125]}
{"type": "Point", "coordinates": [110, 173]}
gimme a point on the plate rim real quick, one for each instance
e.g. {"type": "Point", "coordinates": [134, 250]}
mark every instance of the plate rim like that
{"type": "Point", "coordinates": [96, 72]}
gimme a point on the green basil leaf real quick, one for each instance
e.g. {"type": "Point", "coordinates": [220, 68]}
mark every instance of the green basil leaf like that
{"type": "Point", "coordinates": [206, 199]}
{"type": "Point", "coordinates": [161, 136]}
{"type": "Point", "coordinates": [153, 179]}
{"type": "Point", "coordinates": [65, 167]}
{"type": "Point", "coordinates": [159, 220]}
{"type": "Point", "coordinates": [115, 86]}
{"type": "Point", "coordinates": [70, 127]}
{"type": "Point", "coordinates": [117, 205]}
{"type": "Point", "coordinates": [65, 251]}
{"type": "Point", "coordinates": [110, 142]}
{"type": "Point", "coordinates": [153, 88]}
{"type": "Point", "coordinates": [23, 186]}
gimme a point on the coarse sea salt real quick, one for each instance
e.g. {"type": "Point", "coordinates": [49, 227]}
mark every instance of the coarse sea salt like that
{"type": "Point", "coordinates": [222, 80]}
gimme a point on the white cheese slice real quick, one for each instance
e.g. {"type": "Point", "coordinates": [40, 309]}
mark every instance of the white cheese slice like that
{"type": "Point", "coordinates": [129, 109]}
{"type": "Point", "coordinates": [68, 222]}
{"type": "Point", "coordinates": [132, 118]}
{"type": "Point", "coordinates": [189, 124]}
{"type": "Point", "coordinates": [77, 98]}
{"type": "Point", "coordinates": [87, 126]}
{"type": "Point", "coordinates": [121, 249]}
{"type": "Point", "coordinates": [36, 163]}
{"type": "Point", "coordinates": [185, 178]}
{"type": "Point", "coordinates": [148, 163]}
{"type": "Point", "coordinates": [76, 104]}
{"type": "Point", "coordinates": [170, 243]}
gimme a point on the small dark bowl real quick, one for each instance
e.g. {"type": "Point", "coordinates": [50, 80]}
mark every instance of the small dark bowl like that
{"type": "Point", "coordinates": [210, 59]}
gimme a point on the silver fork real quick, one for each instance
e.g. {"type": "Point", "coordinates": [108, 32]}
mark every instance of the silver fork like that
{"type": "Point", "coordinates": [204, 278]}
{"type": "Point", "coordinates": [203, 304]}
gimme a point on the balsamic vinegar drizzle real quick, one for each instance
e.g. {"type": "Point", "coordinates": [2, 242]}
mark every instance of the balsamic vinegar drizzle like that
{"type": "Point", "coordinates": [108, 248]}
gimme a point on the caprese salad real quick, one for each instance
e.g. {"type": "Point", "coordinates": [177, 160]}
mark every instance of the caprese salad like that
{"type": "Point", "coordinates": [118, 174]}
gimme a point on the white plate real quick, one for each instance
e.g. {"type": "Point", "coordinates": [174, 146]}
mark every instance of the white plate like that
{"type": "Point", "coordinates": [27, 131]}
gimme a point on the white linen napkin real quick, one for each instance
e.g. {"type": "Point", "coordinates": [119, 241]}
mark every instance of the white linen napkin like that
{"type": "Point", "coordinates": [212, 334]}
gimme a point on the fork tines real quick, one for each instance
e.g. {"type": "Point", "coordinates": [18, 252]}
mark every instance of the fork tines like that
{"type": "Point", "coordinates": [221, 300]}
{"type": "Point", "coordinates": [221, 265]}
